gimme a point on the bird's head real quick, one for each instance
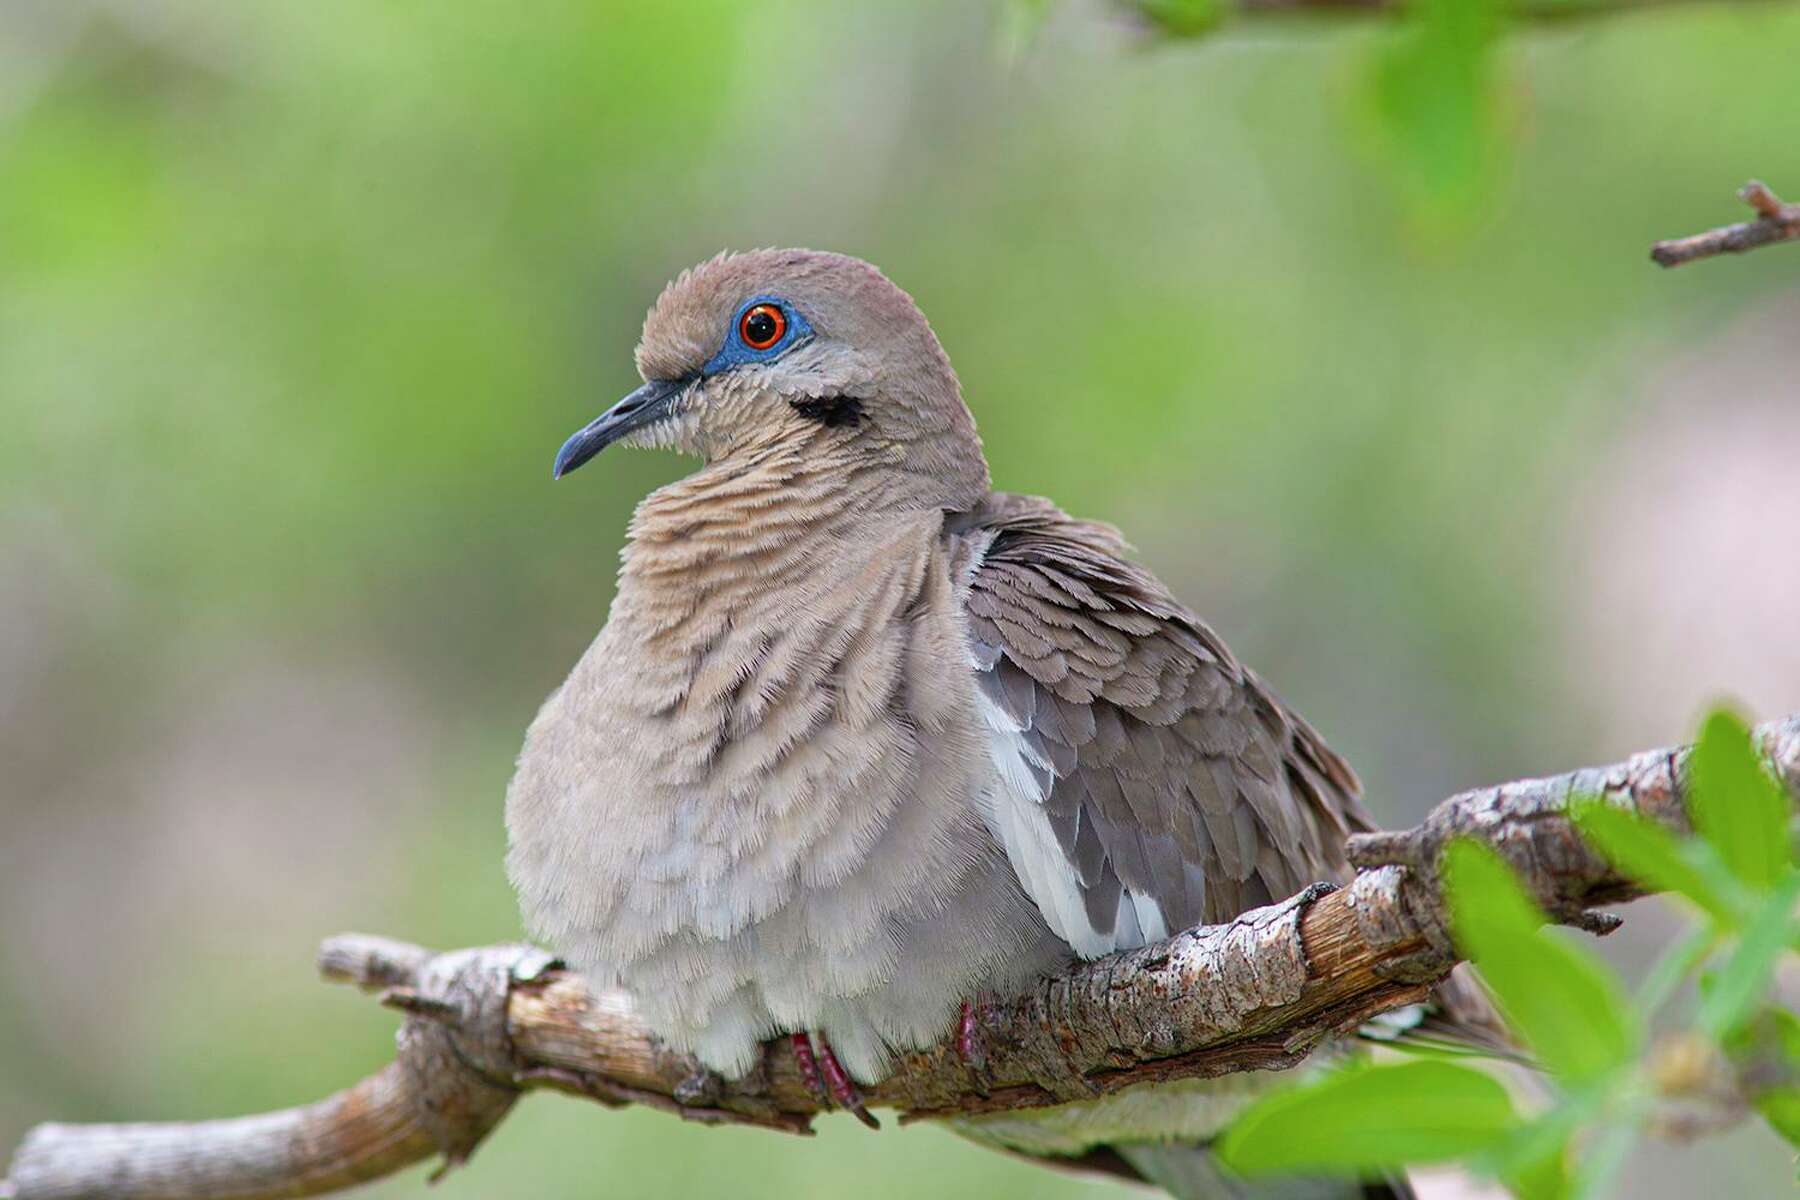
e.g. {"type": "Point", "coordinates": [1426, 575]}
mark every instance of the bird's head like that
{"type": "Point", "coordinates": [802, 353]}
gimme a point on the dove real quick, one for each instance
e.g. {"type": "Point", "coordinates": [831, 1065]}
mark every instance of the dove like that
{"type": "Point", "coordinates": [862, 738]}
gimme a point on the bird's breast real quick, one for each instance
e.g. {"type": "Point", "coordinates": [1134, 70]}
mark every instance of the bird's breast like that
{"type": "Point", "coordinates": [795, 733]}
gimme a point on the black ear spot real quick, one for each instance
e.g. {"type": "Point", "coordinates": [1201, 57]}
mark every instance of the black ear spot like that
{"type": "Point", "coordinates": [830, 411]}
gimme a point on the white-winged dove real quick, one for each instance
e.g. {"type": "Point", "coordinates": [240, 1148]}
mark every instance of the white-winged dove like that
{"type": "Point", "coordinates": [862, 738]}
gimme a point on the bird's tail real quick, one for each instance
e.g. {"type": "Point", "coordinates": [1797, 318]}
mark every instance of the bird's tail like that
{"type": "Point", "coordinates": [1191, 1172]}
{"type": "Point", "coordinates": [1160, 1135]}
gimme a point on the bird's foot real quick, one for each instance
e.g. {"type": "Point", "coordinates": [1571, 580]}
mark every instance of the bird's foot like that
{"type": "Point", "coordinates": [843, 1088]}
{"type": "Point", "coordinates": [809, 1067]}
{"type": "Point", "coordinates": [970, 1049]}
{"type": "Point", "coordinates": [826, 1078]}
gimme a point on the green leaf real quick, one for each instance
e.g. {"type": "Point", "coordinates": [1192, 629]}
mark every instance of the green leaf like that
{"type": "Point", "coordinates": [1183, 18]}
{"type": "Point", "coordinates": [1533, 1162]}
{"type": "Point", "coordinates": [1654, 857]}
{"type": "Point", "coordinates": [1567, 1004]}
{"type": "Point", "coordinates": [1434, 97]}
{"type": "Point", "coordinates": [1736, 805]}
{"type": "Point", "coordinates": [1746, 975]}
{"type": "Point", "coordinates": [1020, 23]}
{"type": "Point", "coordinates": [1787, 1034]}
{"type": "Point", "coordinates": [1371, 1118]}
{"type": "Point", "coordinates": [1544, 1178]}
{"type": "Point", "coordinates": [1780, 1107]}
{"type": "Point", "coordinates": [1768, 1050]}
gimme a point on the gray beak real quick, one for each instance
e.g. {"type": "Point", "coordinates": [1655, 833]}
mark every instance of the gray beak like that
{"type": "Point", "coordinates": [649, 403]}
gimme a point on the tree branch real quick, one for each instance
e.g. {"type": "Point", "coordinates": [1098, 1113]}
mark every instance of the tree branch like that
{"type": "Point", "coordinates": [1191, 18]}
{"type": "Point", "coordinates": [1260, 993]}
{"type": "Point", "coordinates": [1775, 222]}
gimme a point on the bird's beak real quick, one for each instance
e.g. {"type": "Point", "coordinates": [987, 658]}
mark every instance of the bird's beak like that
{"type": "Point", "coordinates": [649, 403]}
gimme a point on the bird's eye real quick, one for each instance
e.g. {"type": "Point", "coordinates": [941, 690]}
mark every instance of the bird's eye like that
{"type": "Point", "coordinates": [762, 325]}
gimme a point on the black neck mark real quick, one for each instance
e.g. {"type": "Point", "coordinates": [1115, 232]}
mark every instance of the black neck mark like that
{"type": "Point", "coordinates": [830, 411]}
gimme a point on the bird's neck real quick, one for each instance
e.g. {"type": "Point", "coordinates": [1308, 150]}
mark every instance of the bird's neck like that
{"type": "Point", "coordinates": [730, 574]}
{"type": "Point", "coordinates": [755, 524]}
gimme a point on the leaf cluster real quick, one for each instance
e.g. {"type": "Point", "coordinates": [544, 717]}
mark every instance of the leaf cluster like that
{"type": "Point", "coordinates": [1609, 1081]}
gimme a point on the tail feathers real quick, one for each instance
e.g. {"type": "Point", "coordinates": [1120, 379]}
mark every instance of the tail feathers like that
{"type": "Point", "coordinates": [1190, 1172]}
{"type": "Point", "coordinates": [1464, 1011]}
{"type": "Point", "coordinates": [1458, 1019]}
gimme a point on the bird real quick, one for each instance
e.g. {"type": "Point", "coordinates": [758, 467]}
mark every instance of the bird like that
{"type": "Point", "coordinates": [862, 737]}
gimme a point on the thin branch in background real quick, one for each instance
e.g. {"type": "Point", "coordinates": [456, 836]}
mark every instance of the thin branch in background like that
{"type": "Point", "coordinates": [485, 1025]}
{"type": "Point", "coordinates": [1775, 222]}
{"type": "Point", "coordinates": [1191, 18]}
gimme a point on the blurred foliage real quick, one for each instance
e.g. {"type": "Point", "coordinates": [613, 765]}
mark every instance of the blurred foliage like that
{"type": "Point", "coordinates": [1369, 1118]}
{"type": "Point", "coordinates": [1740, 1052]}
{"type": "Point", "coordinates": [1433, 92]}
{"type": "Point", "coordinates": [297, 302]}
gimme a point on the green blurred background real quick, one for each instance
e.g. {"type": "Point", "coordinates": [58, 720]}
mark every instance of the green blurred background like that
{"type": "Point", "coordinates": [298, 300]}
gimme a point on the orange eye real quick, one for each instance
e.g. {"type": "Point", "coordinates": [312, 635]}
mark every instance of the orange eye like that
{"type": "Point", "coordinates": [762, 325]}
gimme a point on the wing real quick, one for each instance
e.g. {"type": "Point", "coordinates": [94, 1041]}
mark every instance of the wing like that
{"type": "Point", "coordinates": [1150, 782]}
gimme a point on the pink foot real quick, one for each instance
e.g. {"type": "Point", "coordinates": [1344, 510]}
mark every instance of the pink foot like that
{"type": "Point", "coordinates": [809, 1067]}
{"type": "Point", "coordinates": [968, 1039]}
{"type": "Point", "coordinates": [826, 1078]}
{"type": "Point", "coordinates": [969, 1047]}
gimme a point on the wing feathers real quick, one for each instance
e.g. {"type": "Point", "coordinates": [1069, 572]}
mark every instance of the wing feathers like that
{"type": "Point", "coordinates": [1149, 781]}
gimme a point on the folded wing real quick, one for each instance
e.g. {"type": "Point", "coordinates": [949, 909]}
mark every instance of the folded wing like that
{"type": "Point", "coordinates": [1149, 781]}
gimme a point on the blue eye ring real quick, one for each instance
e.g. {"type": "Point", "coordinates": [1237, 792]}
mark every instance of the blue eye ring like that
{"type": "Point", "coordinates": [763, 329]}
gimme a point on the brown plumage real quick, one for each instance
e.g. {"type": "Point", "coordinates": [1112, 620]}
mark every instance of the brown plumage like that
{"type": "Point", "coordinates": [1177, 773]}
{"type": "Point", "coordinates": [861, 737]}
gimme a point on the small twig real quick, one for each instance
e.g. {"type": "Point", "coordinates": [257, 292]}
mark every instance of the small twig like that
{"type": "Point", "coordinates": [1173, 19]}
{"type": "Point", "coordinates": [1775, 222]}
{"type": "Point", "coordinates": [372, 963]}
{"type": "Point", "coordinates": [1600, 924]}
{"type": "Point", "coordinates": [1757, 195]}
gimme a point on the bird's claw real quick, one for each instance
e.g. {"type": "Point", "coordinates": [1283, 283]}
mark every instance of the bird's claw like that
{"type": "Point", "coordinates": [809, 1067]}
{"type": "Point", "coordinates": [970, 1049]}
{"type": "Point", "coordinates": [826, 1078]}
